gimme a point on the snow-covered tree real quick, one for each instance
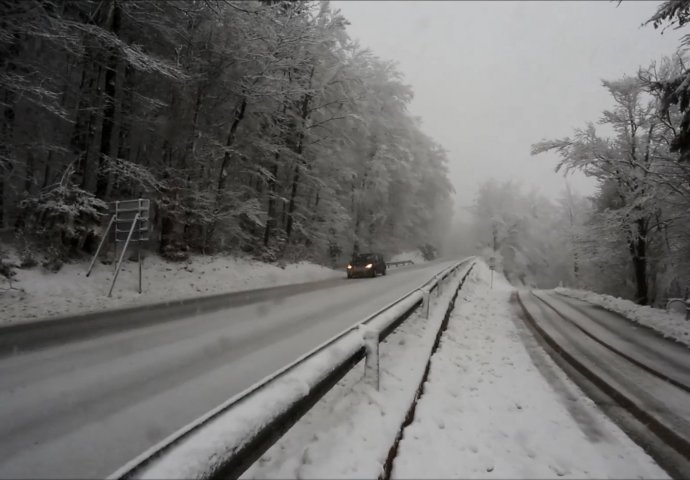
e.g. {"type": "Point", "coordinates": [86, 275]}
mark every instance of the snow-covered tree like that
{"type": "Point", "coordinates": [523, 232]}
{"type": "Point", "coordinates": [642, 201]}
{"type": "Point", "coordinates": [254, 125]}
{"type": "Point", "coordinates": [675, 90]}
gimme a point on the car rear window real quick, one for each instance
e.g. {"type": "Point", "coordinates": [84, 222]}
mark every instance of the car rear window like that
{"type": "Point", "coordinates": [364, 259]}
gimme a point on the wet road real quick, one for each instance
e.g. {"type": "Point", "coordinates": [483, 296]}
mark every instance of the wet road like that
{"type": "Point", "coordinates": [652, 371]}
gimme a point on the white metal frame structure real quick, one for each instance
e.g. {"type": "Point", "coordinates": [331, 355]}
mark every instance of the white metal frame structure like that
{"type": "Point", "coordinates": [129, 216]}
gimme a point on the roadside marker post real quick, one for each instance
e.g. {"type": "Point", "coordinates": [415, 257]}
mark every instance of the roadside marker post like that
{"type": "Point", "coordinates": [371, 363]}
{"type": "Point", "coordinates": [425, 302]}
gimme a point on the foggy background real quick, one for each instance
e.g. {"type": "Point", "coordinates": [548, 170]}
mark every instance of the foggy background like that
{"type": "Point", "coordinates": [491, 78]}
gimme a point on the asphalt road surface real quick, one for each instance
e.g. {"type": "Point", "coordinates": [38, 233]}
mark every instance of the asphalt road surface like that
{"type": "Point", "coordinates": [656, 372]}
{"type": "Point", "coordinates": [83, 408]}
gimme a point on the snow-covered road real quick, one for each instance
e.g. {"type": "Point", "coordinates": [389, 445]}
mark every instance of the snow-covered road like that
{"type": "Point", "coordinates": [642, 344]}
{"type": "Point", "coordinates": [572, 324]}
{"type": "Point", "coordinates": [82, 409]}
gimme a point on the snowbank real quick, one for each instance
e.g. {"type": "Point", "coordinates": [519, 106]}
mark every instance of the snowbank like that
{"type": "Point", "coordinates": [488, 411]}
{"type": "Point", "coordinates": [414, 255]}
{"type": "Point", "coordinates": [669, 325]}
{"type": "Point", "coordinates": [69, 292]}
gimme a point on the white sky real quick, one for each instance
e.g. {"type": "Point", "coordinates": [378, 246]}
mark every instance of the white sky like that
{"type": "Point", "coordinates": [491, 78]}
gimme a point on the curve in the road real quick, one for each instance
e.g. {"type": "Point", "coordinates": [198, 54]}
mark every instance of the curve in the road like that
{"type": "Point", "coordinates": [661, 429]}
{"type": "Point", "coordinates": [627, 357]}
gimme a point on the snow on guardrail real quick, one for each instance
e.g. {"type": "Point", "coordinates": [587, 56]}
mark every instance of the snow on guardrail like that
{"type": "Point", "coordinates": [227, 440]}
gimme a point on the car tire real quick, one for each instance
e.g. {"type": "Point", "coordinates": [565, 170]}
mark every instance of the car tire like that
{"type": "Point", "coordinates": [384, 272]}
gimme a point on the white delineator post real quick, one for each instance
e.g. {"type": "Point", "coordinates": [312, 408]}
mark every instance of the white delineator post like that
{"type": "Point", "coordinates": [425, 302]}
{"type": "Point", "coordinates": [371, 364]}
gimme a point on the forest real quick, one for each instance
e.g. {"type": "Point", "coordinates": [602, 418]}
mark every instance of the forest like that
{"type": "Point", "coordinates": [262, 128]}
{"type": "Point", "coordinates": [256, 126]}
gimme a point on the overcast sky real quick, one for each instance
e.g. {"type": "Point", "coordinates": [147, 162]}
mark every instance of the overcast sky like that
{"type": "Point", "coordinates": [491, 78]}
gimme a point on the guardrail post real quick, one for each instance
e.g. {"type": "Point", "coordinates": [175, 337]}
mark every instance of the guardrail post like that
{"type": "Point", "coordinates": [439, 288]}
{"type": "Point", "coordinates": [425, 302]}
{"type": "Point", "coordinates": [371, 364]}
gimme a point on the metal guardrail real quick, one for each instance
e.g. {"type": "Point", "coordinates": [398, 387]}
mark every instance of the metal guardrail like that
{"type": "Point", "coordinates": [401, 263]}
{"type": "Point", "coordinates": [226, 441]}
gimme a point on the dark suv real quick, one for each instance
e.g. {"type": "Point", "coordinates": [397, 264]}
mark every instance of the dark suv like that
{"type": "Point", "coordinates": [366, 265]}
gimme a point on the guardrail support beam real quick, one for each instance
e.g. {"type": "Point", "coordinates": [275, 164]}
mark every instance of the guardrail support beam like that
{"type": "Point", "coordinates": [371, 363]}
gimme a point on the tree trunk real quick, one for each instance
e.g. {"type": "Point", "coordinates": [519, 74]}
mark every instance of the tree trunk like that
{"type": "Point", "coordinates": [191, 143]}
{"type": "Point", "coordinates": [124, 146]}
{"type": "Point", "coordinates": [7, 151]}
{"type": "Point", "coordinates": [83, 133]}
{"type": "Point", "coordinates": [299, 149]}
{"type": "Point", "coordinates": [29, 173]}
{"type": "Point", "coordinates": [194, 230]}
{"type": "Point", "coordinates": [238, 115]}
{"type": "Point", "coordinates": [270, 217]}
{"type": "Point", "coordinates": [46, 170]}
{"type": "Point", "coordinates": [291, 204]}
{"type": "Point", "coordinates": [237, 118]}
{"type": "Point", "coordinates": [110, 91]}
{"type": "Point", "coordinates": [638, 251]}
{"type": "Point", "coordinates": [271, 211]}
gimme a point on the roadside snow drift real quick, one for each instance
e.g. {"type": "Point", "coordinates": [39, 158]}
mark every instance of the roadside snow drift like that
{"type": "Point", "coordinates": [413, 255]}
{"type": "Point", "coordinates": [69, 291]}
{"type": "Point", "coordinates": [669, 325]}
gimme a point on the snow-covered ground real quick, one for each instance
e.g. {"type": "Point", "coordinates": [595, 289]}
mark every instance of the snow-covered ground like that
{"type": "Point", "coordinates": [69, 291]}
{"type": "Point", "coordinates": [668, 324]}
{"type": "Point", "coordinates": [488, 412]}
{"type": "Point", "coordinates": [349, 432]}
{"type": "Point", "coordinates": [414, 255]}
